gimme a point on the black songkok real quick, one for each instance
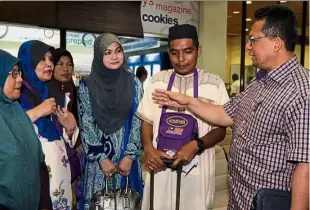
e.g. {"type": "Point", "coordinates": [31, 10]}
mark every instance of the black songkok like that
{"type": "Point", "coordinates": [184, 31]}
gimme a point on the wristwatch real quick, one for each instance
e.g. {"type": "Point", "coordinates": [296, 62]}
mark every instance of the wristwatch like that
{"type": "Point", "coordinates": [201, 145]}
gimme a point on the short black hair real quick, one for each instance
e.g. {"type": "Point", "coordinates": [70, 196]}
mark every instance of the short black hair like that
{"type": "Point", "coordinates": [141, 71]}
{"type": "Point", "coordinates": [235, 77]}
{"type": "Point", "coordinates": [280, 21]}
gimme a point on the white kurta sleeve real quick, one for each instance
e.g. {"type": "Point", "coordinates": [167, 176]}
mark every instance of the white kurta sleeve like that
{"type": "Point", "coordinates": [73, 140]}
{"type": "Point", "coordinates": [146, 107]}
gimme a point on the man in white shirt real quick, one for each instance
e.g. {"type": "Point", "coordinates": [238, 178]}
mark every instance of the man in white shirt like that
{"type": "Point", "coordinates": [197, 187]}
{"type": "Point", "coordinates": [235, 86]}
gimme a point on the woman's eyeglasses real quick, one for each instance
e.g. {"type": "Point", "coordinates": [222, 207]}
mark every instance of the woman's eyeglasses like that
{"type": "Point", "coordinates": [15, 73]}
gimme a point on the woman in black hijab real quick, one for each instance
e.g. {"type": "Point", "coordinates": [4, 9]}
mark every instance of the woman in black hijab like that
{"type": "Point", "coordinates": [110, 130]}
{"type": "Point", "coordinates": [62, 77]}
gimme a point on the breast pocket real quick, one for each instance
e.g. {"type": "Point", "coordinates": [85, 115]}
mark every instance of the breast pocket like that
{"type": "Point", "coordinates": [267, 125]}
{"type": "Point", "coordinates": [242, 117]}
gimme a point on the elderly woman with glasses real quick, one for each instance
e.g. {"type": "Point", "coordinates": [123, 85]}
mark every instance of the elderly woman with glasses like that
{"type": "Point", "coordinates": [21, 155]}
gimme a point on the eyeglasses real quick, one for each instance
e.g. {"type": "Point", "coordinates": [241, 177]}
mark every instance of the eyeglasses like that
{"type": "Point", "coordinates": [15, 73]}
{"type": "Point", "coordinates": [251, 39]}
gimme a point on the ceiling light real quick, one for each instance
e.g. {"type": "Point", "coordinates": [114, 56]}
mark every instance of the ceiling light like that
{"type": "Point", "coordinates": [248, 19]}
{"type": "Point", "coordinates": [236, 12]}
{"type": "Point", "coordinates": [283, 1]}
{"type": "Point", "coordinates": [246, 29]}
{"type": "Point", "coordinates": [248, 2]}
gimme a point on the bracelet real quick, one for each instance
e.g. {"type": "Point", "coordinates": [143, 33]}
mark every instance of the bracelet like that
{"type": "Point", "coordinates": [201, 145]}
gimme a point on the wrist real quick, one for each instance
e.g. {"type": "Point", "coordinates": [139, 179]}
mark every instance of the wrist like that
{"type": "Point", "coordinates": [102, 157]}
{"type": "Point", "coordinates": [194, 146]}
{"type": "Point", "coordinates": [200, 145]}
{"type": "Point", "coordinates": [38, 112]}
{"type": "Point", "coordinates": [128, 157]}
{"type": "Point", "coordinates": [148, 147]}
{"type": "Point", "coordinates": [191, 103]}
{"type": "Point", "coordinates": [70, 131]}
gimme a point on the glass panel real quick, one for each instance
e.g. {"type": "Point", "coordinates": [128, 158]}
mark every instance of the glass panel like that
{"type": "Point", "coordinates": [307, 64]}
{"type": "Point", "coordinates": [156, 69]}
{"type": "Point", "coordinates": [136, 68]}
{"type": "Point", "coordinates": [233, 50]}
{"type": "Point", "coordinates": [148, 68]}
{"type": "Point", "coordinates": [131, 68]}
{"type": "Point", "coordinates": [80, 46]}
{"type": "Point", "coordinates": [151, 57]}
{"type": "Point", "coordinates": [233, 54]}
{"type": "Point", "coordinates": [297, 7]}
{"type": "Point", "coordinates": [134, 59]}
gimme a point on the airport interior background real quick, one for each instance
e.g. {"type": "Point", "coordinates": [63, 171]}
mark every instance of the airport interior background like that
{"type": "Point", "coordinates": [150, 50]}
{"type": "Point", "coordinates": [223, 28]}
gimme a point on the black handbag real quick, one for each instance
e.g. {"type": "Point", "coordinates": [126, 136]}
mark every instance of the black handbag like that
{"type": "Point", "coordinates": [116, 199]}
{"type": "Point", "coordinates": [271, 199]}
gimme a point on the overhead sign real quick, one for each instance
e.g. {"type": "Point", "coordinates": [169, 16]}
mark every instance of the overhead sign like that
{"type": "Point", "coordinates": [80, 39]}
{"type": "Point", "coordinates": [142, 44]}
{"type": "Point", "coordinates": [158, 16]}
{"type": "Point", "coordinates": [21, 34]}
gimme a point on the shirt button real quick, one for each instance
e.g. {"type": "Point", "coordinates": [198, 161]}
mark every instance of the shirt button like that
{"type": "Point", "coordinates": [243, 121]}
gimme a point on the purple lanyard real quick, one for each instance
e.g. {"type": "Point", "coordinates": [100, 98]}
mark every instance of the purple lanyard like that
{"type": "Point", "coordinates": [171, 83]}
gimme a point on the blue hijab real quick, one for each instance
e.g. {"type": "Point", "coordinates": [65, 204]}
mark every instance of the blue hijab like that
{"type": "Point", "coordinates": [20, 149]}
{"type": "Point", "coordinates": [31, 53]}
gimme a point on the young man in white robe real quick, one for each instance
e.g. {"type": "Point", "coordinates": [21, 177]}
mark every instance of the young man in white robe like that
{"type": "Point", "coordinates": [197, 186]}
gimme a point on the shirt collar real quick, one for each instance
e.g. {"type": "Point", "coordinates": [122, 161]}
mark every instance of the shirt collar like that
{"type": "Point", "coordinates": [187, 75]}
{"type": "Point", "coordinates": [280, 73]}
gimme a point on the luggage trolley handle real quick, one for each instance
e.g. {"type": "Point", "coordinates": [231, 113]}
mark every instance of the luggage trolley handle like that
{"type": "Point", "coordinates": [168, 163]}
